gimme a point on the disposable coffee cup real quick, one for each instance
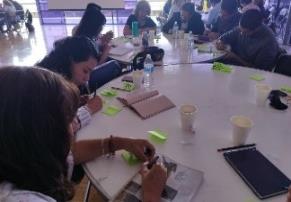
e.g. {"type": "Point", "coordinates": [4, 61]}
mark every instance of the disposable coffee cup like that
{"type": "Point", "coordinates": [137, 77]}
{"type": "Point", "coordinates": [181, 34]}
{"type": "Point", "coordinates": [241, 127]}
{"type": "Point", "coordinates": [262, 93]}
{"type": "Point", "coordinates": [188, 115]}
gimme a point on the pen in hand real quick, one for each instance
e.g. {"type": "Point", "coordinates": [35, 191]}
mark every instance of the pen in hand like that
{"type": "Point", "coordinates": [152, 162]}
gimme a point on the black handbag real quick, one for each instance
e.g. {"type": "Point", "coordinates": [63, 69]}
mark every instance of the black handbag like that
{"type": "Point", "coordinates": [156, 53]}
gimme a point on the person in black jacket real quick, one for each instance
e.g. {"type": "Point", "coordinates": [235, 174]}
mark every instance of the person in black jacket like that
{"type": "Point", "coordinates": [188, 20]}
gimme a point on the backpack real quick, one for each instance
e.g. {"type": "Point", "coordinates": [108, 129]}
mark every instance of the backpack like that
{"type": "Point", "coordinates": [157, 54]}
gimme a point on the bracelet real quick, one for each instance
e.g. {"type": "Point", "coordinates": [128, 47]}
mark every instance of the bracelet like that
{"type": "Point", "coordinates": [102, 146]}
{"type": "Point", "coordinates": [111, 149]}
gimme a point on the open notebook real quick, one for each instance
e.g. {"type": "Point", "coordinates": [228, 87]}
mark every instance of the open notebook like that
{"type": "Point", "coordinates": [182, 184]}
{"type": "Point", "coordinates": [147, 104]}
{"type": "Point", "coordinates": [120, 50]}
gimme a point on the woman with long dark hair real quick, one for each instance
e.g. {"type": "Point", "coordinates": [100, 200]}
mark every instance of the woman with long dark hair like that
{"type": "Point", "coordinates": [37, 147]}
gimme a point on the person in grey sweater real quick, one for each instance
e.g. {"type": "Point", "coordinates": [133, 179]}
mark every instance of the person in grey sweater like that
{"type": "Point", "coordinates": [252, 44]}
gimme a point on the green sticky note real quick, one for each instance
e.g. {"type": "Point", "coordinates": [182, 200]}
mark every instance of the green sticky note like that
{"type": "Point", "coordinates": [130, 158]}
{"type": "Point", "coordinates": [257, 77]}
{"type": "Point", "coordinates": [158, 136]}
{"type": "Point", "coordinates": [128, 86]}
{"type": "Point", "coordinates": [286, 89]}
{"type": "Point", "coordinates": [220, 67]}
{"type": "Point", "coordinates": [108, 93]}
{"type": "Point", "coordinates": [111, 110]}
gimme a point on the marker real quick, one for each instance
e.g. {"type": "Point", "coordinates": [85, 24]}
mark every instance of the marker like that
{"type": "Point", "coordinates": [236, 147]}
{"type": "Point", "coordinates": [152, 162]}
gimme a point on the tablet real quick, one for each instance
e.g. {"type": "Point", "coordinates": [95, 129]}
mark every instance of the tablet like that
{"type": "Point", "coordinates": [263, 177]}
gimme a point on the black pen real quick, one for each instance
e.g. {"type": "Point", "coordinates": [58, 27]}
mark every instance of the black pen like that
{"type": "Point", "coordinates": [236, 147]}
{"type": "Point", "coordinates": [152, 162]}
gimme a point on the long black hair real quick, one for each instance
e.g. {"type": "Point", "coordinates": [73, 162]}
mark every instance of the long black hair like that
{"type": "Point", "coordinates": [67, 51]}
{"type": "Point", "coordinates": [36, 109]}
{"type": "Point", "coordinates": [92, 22]}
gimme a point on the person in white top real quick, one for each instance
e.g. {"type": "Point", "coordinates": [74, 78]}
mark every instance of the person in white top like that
{"type": "Point", "coordinates": [37, 108]}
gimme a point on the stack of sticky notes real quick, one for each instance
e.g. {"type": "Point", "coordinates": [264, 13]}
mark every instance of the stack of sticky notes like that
{"type": "Point", "coordinates": [108, 93]}
{"type": "Point", "coordinates": [111, 110]}
{"type": "Point", "coordinates": [130, 158]}
{"type": "Point", "coordinates": [257, 77]}
{"type": "Point", "coordinates": [158, 136]}
{"type": "Point", "coordinates": [128, 86]}
{"type": "Point", "coordinates": [220, 67]}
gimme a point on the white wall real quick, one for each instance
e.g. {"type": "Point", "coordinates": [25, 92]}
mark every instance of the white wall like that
{"type": "Point", "coordinates": [81, 4]}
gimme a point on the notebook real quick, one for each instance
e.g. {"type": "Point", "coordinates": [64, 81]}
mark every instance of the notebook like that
{"type": "Point", "coordinates": [263, 177]}
{"type": "Point", "coordinates": [120, 50]}
{"type": "Point", "coordinates": [182, 184]}
{"type": "Point", "coordinates": [147, 104]}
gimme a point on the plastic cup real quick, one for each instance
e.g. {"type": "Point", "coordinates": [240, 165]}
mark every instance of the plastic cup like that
{"type": "Point", "coordinates": [241, 128]}
{"type": "Point", "coordinates": [188, 115]}
{"type": "Point", "coordinates": [181, 34]}
{"type": "Point", "coordinates": [262, 93]}
{"type": "Point", "coordinates": [137, 77]}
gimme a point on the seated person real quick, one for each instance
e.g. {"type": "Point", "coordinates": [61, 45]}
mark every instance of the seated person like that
{"type": "Point", "coordinates": [189, 20]}
{"type": "Point", "coordinates": [91, 26]}
{"type": "Point", "coordinates": [252, 44]}
{"type": "Point", "coordinates": [247, 5]}
{"type": "Point", "coordinates": [228, 19]}
{"type": "Point", "coordinates": [142, 16]}
{"type": "Point", "coordinates": [289, 196]}
{"type": "Point", "coordinates": [37, 147]}
{"type": "Point", "coordinates": [75, 58]}
{"type": "Point", "coordinates": [214, 12]}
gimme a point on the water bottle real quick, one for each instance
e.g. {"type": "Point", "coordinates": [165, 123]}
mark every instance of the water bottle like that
{"type": "Point", "coordinates": [145, 39]}
{"type": "Point", "coordinates": [148, 71]}
{"type": "Point", "coordinates": [175, 30]}
{"type": "Point", "coordinates": [190, 40]}
{"type": "Point", "coordinates": [134, 29]}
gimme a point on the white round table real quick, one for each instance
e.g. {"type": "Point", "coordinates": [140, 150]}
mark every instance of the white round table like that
{"type": "Point", "coordinates": [176, 50]}
{"type": "Point", "coordinates": [218, 96]}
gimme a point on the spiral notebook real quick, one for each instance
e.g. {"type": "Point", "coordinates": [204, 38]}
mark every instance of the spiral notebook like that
{"type": "Point", "coordinates": [147, 104]}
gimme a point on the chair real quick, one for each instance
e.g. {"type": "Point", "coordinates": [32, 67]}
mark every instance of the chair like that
{"type": "Point", "coordinates": [283, 65]}
{"type": "Point", "coordinates": [103, 74]}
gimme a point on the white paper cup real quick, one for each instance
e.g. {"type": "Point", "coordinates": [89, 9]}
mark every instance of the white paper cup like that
{"type": "Point", "coordinates": [181, 34]}
{"type": "Point", "coordinates": [137, 77]}
{"type": "Point", "coordinates": [152, 34]}
{"type": "Point", "coordinates": [241, 128]}
{"type": "Point", "coordinates": [188, 115]}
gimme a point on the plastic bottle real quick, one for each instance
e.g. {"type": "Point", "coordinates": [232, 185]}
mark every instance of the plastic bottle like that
{"type": "Point", "coordinates": [175, 30]}
{"type": "Point", "coordinates": [145, 39]}
{"type": "Point", "coordinates": [191, 40]}
{"type": "Point", "coordinates": [148, 71]}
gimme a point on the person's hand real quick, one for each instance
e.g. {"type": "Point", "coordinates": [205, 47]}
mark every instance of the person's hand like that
{"type": "Point", "coordinates": [107, 37]}
{"type": "Point", "coordinates": [94, 104]}
{"type": "Point", "coordinates": [213, 36]}
{"type": "Point", "coordinates": [289, 195]}
{"type": "Point", "coordinates": [220, 45]}
{"type": "Point", "coordinates": [153, 182]}
{"type": "Point", "coordinates": [84, 99]}
{"type": "Point", "coordinates": [141, 148]}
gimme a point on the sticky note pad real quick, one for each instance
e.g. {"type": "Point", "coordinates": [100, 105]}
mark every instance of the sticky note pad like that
{"type": "Point", "coordinates": [111, 110]}
{"type": "Point", "coordinates": [108, 93]}
{"type": "Point", "coordinates": [130, 158]}
{"type": "Point", "coordinates": [128, 86]}
{"type": "Point", "coordinates": [158, 136]}
{"type": "Point", "coordinates": [257, 77]}
{"type": "Point", "coordinates": [286, 89]}
{"type": "Point", "coordinates": [220, 67]}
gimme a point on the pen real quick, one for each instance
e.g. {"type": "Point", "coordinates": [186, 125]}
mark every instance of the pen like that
{"type": "Point", "coordinates": [152, 162]}
{"type": "Point", "coordinates": [236, 147]}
